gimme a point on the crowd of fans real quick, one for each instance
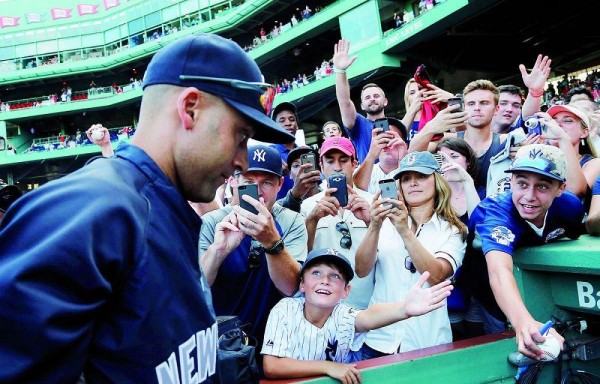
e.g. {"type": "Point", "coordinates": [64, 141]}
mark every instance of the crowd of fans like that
{"type": "Point", "coordinates": [280, 27]}
{"type": "Point", "coordinates": [346, 251]}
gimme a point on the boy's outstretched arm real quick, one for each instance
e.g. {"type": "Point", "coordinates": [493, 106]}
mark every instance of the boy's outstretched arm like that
{"type": "Point", "coordinates": [286, 368]}
{"type": "Point", "coordinates": [419, 301]}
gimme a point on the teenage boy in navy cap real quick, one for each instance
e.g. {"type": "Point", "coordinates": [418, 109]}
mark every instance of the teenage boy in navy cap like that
{"type": "Point", "coordinates": [313, 334]}
{"type": "Point", "coordinates": [250, 260]}
{"type": "Point", "coordinates": [99, 269]}
{"type": "Point", "coordinates": [536, 211]}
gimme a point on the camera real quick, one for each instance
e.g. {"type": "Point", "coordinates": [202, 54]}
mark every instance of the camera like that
{"type": "Point", "coordinates": [534, 125]}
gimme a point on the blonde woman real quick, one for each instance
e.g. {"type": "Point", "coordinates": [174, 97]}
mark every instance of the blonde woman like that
{"type": "Point", "coordinates": [418, 232]}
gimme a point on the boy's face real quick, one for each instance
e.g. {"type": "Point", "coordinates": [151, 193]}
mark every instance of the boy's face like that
{"type": "Point", "coordinates": [533, 194]}
{"type": "Point", "coordinates": [323, 285]}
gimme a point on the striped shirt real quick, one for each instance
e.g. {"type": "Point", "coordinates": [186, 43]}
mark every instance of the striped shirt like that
{"type": "Point", "coordinates": [289, 334]}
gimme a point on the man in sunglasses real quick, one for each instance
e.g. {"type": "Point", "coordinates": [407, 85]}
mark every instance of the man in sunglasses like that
{"type": "Point", "coordinates": [330, 225]}
{"type": "Point", "coordinates": [251, 261]}
{"type": "Point", "coordinates": [99, 269]}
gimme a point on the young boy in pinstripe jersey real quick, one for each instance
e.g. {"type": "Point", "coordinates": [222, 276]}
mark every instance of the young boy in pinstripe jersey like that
{"type": "Point", "coordinates": [312, 335]}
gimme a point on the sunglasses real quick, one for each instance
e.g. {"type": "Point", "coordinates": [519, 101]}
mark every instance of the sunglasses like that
{"type": "Point", "coordinates": [346, 240]}
{"type": "Point", "coordinates": [254, 256]}
{"type": "Point", "coordinates": [266, 90]}
{"type": "Point", "coordinates": [408, 264]}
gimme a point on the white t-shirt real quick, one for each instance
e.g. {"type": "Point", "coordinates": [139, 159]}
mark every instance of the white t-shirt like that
{"type": "Point", "coordinates": [326, 236]}
{"type": "Point", "coordinates": [289, 334]}
{"type": "Point", "coordinates": [394, 281]}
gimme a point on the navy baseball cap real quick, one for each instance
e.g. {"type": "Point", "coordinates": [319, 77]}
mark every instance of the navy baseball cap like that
{"type": "Point", "coordinates": [297, 152]}
{"type": "Point", "coordinates": [329, 255]}
{"type": "Point", "coordinates": [545, 160]}
{"type": "Point", "coordinates": [264, 158]}
{"type": "Point", "coordinates": [421, 162]}
{"type": "Point", "coordinates": [284, 106]}
{"type": "Point", "coordinates": [400, 125]}
{"type": "Point", "coordinates": [220, 67]}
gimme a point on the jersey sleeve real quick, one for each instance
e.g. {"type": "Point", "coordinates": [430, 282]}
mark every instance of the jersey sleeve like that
{"type": "Point", "coordinates": [277, 340]}
{"type": "Point", "coordinates": [64, 252]}
{"type": "Point", "coordinates": [495, 229]}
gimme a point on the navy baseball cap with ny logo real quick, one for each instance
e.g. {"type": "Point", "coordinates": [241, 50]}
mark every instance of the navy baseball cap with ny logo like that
{"type": "Point", "coordinates": [220, 67]}
{"type": "Point", "coordinates": [264, 158]}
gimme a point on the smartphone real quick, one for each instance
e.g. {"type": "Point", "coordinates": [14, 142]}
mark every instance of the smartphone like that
{"type": "Point", "coordinates": [309, 158]}
{"type": "Point", "coordinates": [383, 124]}
{"type": "Point", "coordinates": [456, 100]}
{"type": "Point", "coordinates": [250, 190]}
{"type": "Point", "coordinates": [421, 76]}
{"type": "Point", "coordinates": [388, 190]}
{"type": "Point", "coordinates": [338, 180]}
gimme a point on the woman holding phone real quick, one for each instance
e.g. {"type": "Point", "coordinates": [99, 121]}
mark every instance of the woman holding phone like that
{"type": "Point", "coordinates": [418, 232]}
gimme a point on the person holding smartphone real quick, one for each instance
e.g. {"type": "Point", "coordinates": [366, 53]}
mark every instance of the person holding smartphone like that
{"type": "Point", "coordinates": [333, 225]}
{"type": "Point", "coordinates": [383, 159]}
{"type": "Point", "coordinates": [304, 171]}
{"type": "Point", "coordinates": [417, 232]}
{"type": "Point", "coordinates": [252, 260]}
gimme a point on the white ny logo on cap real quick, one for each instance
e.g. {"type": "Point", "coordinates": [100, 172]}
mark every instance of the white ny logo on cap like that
{"type": "Point", "coordinates": [259, 155]}
{"type": "Point", "coordinates": [332, 251]}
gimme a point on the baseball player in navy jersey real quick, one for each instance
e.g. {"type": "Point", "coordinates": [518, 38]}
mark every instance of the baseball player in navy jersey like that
{"type": "Point", "coordinates": [536, 211]}
{"type": "Point", "coordinates": [313, 334]}
{"type": "Point", "coordinates": [99, 269]}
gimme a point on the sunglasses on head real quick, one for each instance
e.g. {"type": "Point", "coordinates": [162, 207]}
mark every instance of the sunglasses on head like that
{"type": "Point", "coordinates": [346, 240]}
{"type": "Point", "coordinates": [254, 256]}
{"type": "Point", "coordinates": [266, 90]}
{"type": "Point", "coordinates": [408, 264]}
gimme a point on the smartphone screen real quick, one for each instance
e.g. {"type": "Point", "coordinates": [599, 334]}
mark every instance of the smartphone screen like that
{"type": "Point", "coordinates": [456, 100]}
{"type": "Point", "coordinates": [338, 181]}
{"type": "Point", "coordinates": [309, 158]}
{"type": "Point", "coordinates": [251, 190]}
{"type": "Point", "coordinates": [388, 190]}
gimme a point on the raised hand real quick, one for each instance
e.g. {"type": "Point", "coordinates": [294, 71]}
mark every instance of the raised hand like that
{"type": "Point", "coordinates": [340, 55]}
{"type": "Point", "coordinates": [536, 79]}
{"type": "Point", "coordinates": [420, 301]}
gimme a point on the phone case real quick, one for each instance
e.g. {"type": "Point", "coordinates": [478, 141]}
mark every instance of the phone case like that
{"type": "Point", "coordinates": [382, 123]}
{"type": "Point", "coordinates": [456, 100]}
{"type": "Point", "coordinates": [309, 158]}
{"type": "Point", "coordinates": [339, 181]}
{"type": "Point", "coordinates": [388, 189]}
{"type": "Point", "coordinates": [251, 190]}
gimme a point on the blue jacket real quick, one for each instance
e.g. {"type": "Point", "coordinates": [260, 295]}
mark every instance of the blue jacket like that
{"type": "Point", "coordinates": [99, 274]}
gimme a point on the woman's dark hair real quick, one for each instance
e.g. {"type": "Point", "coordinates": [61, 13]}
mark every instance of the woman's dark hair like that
{"type": "Point", "coordinates": [459, 145]}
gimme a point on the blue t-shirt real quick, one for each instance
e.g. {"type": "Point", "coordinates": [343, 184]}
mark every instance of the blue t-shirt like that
{"type": "Point", "coordinates": [361, 136]}
{"type": "Point", "coordinates": [99, 274]}
{"type": "Point", "coordinates": [495, 225]}
{"type": "Point", "coordinates": [596, 188]}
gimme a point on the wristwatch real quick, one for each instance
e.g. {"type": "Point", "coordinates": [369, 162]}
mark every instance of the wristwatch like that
{"type": "Point", "coordinates": [276, 249]}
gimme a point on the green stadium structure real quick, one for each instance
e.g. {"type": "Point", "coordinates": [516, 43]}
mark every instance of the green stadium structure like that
{"type": "Point", "coordinates": [47, 48]}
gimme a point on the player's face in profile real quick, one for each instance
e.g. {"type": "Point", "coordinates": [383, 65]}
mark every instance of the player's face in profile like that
{"type": "Point", "coordinates": [323, 285]}
{"type": "Point", "coordinates": [533, 194]}
{"type": "Point", "coordinates": [208, 154]}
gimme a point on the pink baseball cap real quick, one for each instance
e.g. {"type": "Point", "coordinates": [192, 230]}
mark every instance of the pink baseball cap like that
{"type": "Point", "coordinates": [341, 144]}
{"type": "Point", "coordinates": [581, 114]}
